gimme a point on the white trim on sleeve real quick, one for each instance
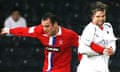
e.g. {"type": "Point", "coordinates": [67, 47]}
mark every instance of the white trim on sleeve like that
{"type": "Point", "coordinates": [31, 29]}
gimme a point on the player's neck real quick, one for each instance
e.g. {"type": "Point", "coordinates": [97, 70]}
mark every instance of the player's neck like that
{"type": "Point", "coordinates": [100, 26]}
{"type": "Point", "coordinates": [57, 30]}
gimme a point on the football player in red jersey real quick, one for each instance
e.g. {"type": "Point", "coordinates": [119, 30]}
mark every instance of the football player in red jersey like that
{"type": "Point", "coordinates": [57, 41]}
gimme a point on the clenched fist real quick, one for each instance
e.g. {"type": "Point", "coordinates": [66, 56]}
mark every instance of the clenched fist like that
{"type": "Point", "coordinates": [108, 51]}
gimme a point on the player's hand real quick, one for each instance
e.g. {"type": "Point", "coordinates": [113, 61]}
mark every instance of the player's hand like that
{"type": "Point", "coordinates": [108, 51]}
{"type": "Point", "coordinates": [4, 31]}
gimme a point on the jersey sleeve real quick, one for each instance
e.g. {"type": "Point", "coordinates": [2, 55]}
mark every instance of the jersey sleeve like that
{"type": "Point", "coordinates": [74, 38]}
{"type": "Point", "coordinates": [97, 48]}
{"type": "Point", "coordinates": [7, 23]}
{"type": "Point", "coordinates": [75, 42]}
{"type": "Point", "coordinates": [24, 22]}
{"type": "Point", "coordinates": [26, 31]}
{"type": "Point", "coordinates": [112, 39]}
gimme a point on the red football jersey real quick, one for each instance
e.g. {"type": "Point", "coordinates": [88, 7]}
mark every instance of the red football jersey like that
{"type": "Point", "coordinates": [58, 52]}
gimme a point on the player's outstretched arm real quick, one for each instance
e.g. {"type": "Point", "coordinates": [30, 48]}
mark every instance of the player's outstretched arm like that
{"type": "Point", "coordinates": [20, 31]}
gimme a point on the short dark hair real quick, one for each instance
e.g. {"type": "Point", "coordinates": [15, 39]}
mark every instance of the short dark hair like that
{"type": "Point", "coordinates": [15, 9]}
{"type": "Point", "coordinates": [98, 6]}
{"type": "Point", "coordinates": [51, 16]}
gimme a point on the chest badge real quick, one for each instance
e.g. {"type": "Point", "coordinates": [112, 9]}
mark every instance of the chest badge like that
{"type": "Point", "coordinates": [60, 42]}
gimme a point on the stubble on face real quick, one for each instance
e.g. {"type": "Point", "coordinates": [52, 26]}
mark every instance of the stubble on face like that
{"type": "Point", "coordinates": [99, 18]}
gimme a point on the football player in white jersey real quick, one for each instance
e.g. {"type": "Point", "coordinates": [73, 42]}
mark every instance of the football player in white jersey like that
{"type": "Point", "coordinates": [97, 42]}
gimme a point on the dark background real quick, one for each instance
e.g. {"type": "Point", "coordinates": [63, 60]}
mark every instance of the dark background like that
{"type": "Point", "coordinates": [21, 54]}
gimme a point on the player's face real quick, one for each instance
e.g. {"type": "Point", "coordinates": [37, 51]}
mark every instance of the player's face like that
{"type": "Point", "coordinates": [15, 15]}
{"type": "Point", "coordinates": [48, 27]}
{"type": "Point", "coordinates": [99, 18]}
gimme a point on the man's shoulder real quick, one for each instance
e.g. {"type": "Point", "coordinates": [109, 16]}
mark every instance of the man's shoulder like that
{"type": "Point", "coordinates": [90, 27]}
{"type": "Point", "coordinates": [68, 31]}
{"type": "Point", "coordinates": [22, 18]}
{"type": "Point", "coordinates": [37, 28]}
{"type": "Point", "coordinates": [107, 24]}
{"type": "Point", "coordinates": [8, 18]}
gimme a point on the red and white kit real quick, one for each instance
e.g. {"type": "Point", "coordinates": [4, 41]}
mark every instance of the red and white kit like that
{"type": "Point", "coordinates": [92, 43]}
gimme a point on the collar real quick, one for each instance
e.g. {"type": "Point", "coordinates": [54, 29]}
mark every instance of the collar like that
{"type": "Point", "coordinates": [102, 28]}
{"type": "Point", "coordinates": [60, 31]}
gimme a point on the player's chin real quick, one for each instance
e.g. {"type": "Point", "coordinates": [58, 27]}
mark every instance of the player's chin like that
{"type": "Point", "coordinates": [51, 34]}
{"type": "Point", "coordinates": [101, 23]}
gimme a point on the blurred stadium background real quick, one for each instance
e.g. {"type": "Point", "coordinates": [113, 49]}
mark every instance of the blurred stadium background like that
{"type": "Point", "coordinates": [21, 54]}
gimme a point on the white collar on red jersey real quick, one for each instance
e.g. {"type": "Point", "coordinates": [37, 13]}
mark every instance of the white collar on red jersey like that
{"type": "Point", "coordinates": [59, 32]}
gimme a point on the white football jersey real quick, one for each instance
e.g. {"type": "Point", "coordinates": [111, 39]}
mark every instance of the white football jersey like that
{"type": "Point", "coordinates": [92, 33]}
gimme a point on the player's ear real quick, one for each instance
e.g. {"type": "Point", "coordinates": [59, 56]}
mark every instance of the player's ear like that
{"type": "Point", "coordinates": [92, 16]}
{"type": "Point", "coordinates": [55, 24]}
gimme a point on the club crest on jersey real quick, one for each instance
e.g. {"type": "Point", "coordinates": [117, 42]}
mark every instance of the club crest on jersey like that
{"type": "Point", "coordinates": [60, 42]}
{"type": "Point", "coordinates": [97, 35]}
{"type": "Point", "coordinates": [53, 49]}
{"type": "Point", "coordinates": [107, 32]}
